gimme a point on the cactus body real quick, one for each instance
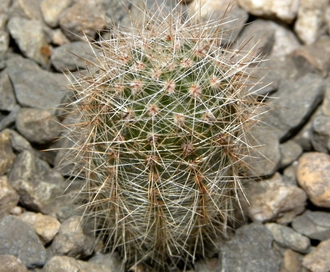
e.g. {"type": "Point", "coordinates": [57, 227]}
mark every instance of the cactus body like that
{"type": "Point", "coordinates": [161, 136]}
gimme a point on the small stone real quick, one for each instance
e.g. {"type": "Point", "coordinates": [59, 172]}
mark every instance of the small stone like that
{"type": "Point", "coordinates": [19, 239]}
{"type": "Point", "coordinates": [314, 58]}
{"type": "Point", "coordinates": [290, 151]}
{"type": "Point", "coordinates": [9, 119]}
{"type": "Point", "coordinates": [29, 9]}
{"type": "Point", "coordinates": [65, 57]}
{"type": "Point", "coordinates": [7, 155]}
{"type": "Point", "coordinates": [265, 158]}
{"type": "Point", "coordinates": [319, 259]}
{"type": "Point", "coordinates": [8, 197]}
{"type": "Point", "coordinates": [4, 5]}
{"type": "Point", "coordinates": [273, 199]}
{"type": "Point", "coordinates": [250, 250]}
{"type": "Point", "coordinates": [315, 225]}
{"type": "Point", "coordinates": [45, 226]}
{"type": "Point", "coordinates": [7, 100]}
{"type": "Point", "coordinates": [37, 184]}
{"type": "Point", "coordinates": [68, 264]}
{"type": "Point", "coordinates": [3, 20]}
{"type": "Point", "coordinates": [10, 263]}
{"type": "Point", "coordinates": [36, 125]}
{"type": "Point", "coordinates": [58, 37]}
{"type": "Point", "coordinates": [289, 238]}
{"type": "Point", "coordinates": [30, 38]}
{"type": "Point", "coordinates": [4, 42]}
{"type": "Point", "coordinates": [285, 10]}
{"type": "Point", "coordinates": [51, 10]}
{"type": "Point", "coordinates": [294, 103]}
{"type": "Point", "coordinates": [72, 241]}
{"type": "Point", "coordinates": [235, 17]}
{"type": "Point", "coordinates": [321, 134]}
{"type": "Point", "coordinates": [18, 142]}
{"type": "Point", "coordinates": [312, 175]}
{"type": "Point", "coordinates": [110, 260]}
{"type": "Point", "coordinates": [34, 87]}
{"type": "Point", "coordinates": [310, 20]}
{"type": "Point", "coordinates": [72, 23]}
{"type": "Point", "coordinates": [292, 262]}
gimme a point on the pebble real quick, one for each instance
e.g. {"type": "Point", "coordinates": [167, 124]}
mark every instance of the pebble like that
{"type": "Point", "coordinates": [7, 156]}
{"type": "Point", "coordinates": [65, 57]}
{"type": "Point", "coordinates": [320, 137]}
{"type": "Point", "coordinates": [312, 176]}
{"type": "Point", "coordinates": [37, 184]}
{"type": "Point", "coordinates": [288, 238]}
{"type": "Point", "coordinates": [30, 38]}
{"type": "Point", "coordinates": [51, 10]}
{"type": "Point", "coordinates": [45, 226]}
{"type": "Point", "coordinates": [8, 100]}
{"type": "Point", "coordinates": [68, 264]}
{"type": "Point", "coordinates": [10, 263]}
{"type": "Point", "coordinates": [72, 241]}
{"type": "Point", "coordinates": [37, 126]}
{"type": "Point", "coordinates": [19, 239]}
{"type": "Point", "coordinates": [295, 101]}
{"type": "Point", "coordinates": [35, 87]}
{"type": "Point", "coordinates": [250, 243]}
{"type": "Point", "coordinates": [72, 23]}
{"type": "Point", "coordinates": [310, 20]}
{"type": "Point", "coordinates": [292, 262]}
{"type": "Point", "coordinates": [8, 196]}
{"type": "Point", "coordinates": [290, 151]}
{"type": "Point", "coordinates": [285, 10]}
{"type": "Point", "coordinates": [274, 200]}
{"type": "Point", "coordinates": [319, 259]}
{"type": "Point", "coordinates": [313, 224]}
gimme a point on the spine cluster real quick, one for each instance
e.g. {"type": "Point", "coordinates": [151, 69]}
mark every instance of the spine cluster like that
{"type": "Point", "coordinates": [163, 120]}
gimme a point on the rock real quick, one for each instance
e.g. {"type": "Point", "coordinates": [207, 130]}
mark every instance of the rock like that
{"type": "Point", "coordinates": [65, 57]}
{"type": "Point", "coordinates": [290, 151]}
{"type": "Point", "coordinates": [310, 20]}
{"type": "Point", "coordinates": [234, 17]}
{"type": "Point", "coordinates": [3, 20]}
{"type": "Point", "coordinates": [312, 175]}
{"type": "Point", "coordinates": [4, 42]}
{"type": "Point", "coordinates": [292, 262]}
{"type": "Point", "coordinates": [289, 174]}
{"type": "Point", "coordinates": [319, 259]}
{"type": "Point", "coordinates": [273, 199]}
{"type": "Point", "coordinates": [321, 134]}
{"type": "Point", "coordinates": [72, 23]}
{"type": "Point", "coordinates": [295, 102]}
{"type": "Point", "coordinates": [72, 241]}
{"type": "Point", "coordinates": [45, 226]}
{"type": "Point", "coordinates": [29, 9]}
{"type": "Point", "coordinates": [10, 263]}
{"type": "Point", "coordinates": [38, 185]}
{"type": "Point", "coordinates": [250, 250]}
{"type": "Point", "coordinates": [289, 238]}
{"type": "Point", "coordinates": [4, 5]}
{"type": "Point", "coordinates": [111, 260]}
{"type": "Point", "coordinates": [58, 37]}
{"type": "Point", "coordinates": [314, 58]}
{"type": "Point", "coordinates": [19, 239]}
{"type": "Point", "coordinates": [68, 264]}
{"type": "Point", "coordinates": [35, 87]}
{"type": "Point", "coordinates": [7, 155]}
{"type": "Point", "coordinates": [313, 224]}
{"type": "Point", "coordinates": [8, 197]}
{"type": "Point", "coordinates": [8, 100]}
{"type": "Point", "coordinates": [36, 125]}
{"type": "Point", "coordinates": [265, 156]}
{"type": "Point", "coordinates": [18, 142]}
{"type": "Point", "coordinates": [271, 38]}
{"type": "Point", "coordinates": [30, 38]}
{"type": "Point", "coordinates": [325, 107]}
{"type": "Point", "coordinates": [285, 10]}
{"type": "Point", "coordinates": [51, 10]}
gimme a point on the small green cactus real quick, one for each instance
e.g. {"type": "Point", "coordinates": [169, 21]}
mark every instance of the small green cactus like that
{"type": "Point", "coordinates": [163, 118]}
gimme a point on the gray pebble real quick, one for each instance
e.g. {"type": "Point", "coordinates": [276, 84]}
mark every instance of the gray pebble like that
{"type": "Point", "coordinates": [19, 239]}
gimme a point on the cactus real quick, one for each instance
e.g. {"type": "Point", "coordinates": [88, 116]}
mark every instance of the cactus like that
{"type": "Point", "coordinates": [161, 136]}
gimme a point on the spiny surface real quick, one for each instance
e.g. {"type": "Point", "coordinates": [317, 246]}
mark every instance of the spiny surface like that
{"type": "Point", "coordinates": [164, 115]}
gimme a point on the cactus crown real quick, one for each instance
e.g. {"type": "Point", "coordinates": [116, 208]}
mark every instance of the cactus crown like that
{"type": "Point", "coordinates": [161, 136]}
